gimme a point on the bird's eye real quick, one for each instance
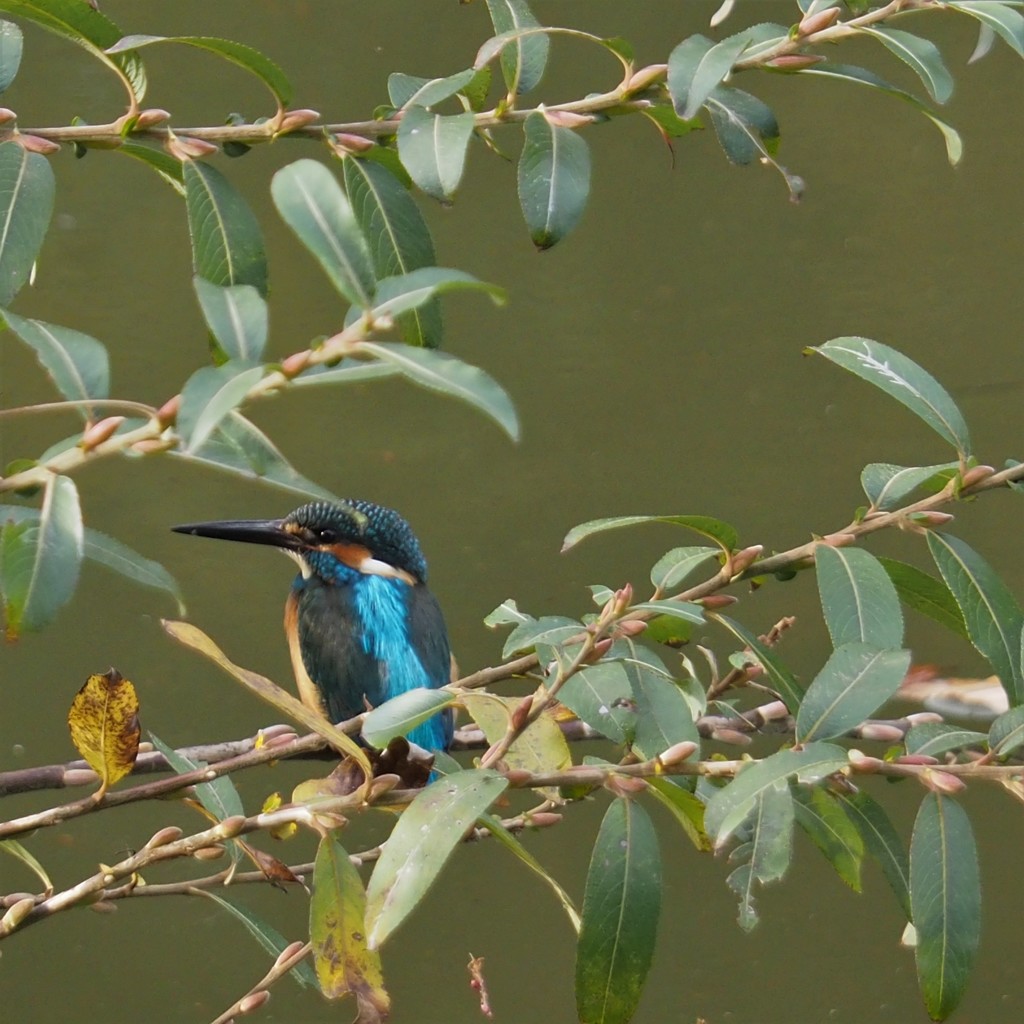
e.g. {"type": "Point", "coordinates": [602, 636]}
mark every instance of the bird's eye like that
{"type": "Point", "coordinates": [326, 536]}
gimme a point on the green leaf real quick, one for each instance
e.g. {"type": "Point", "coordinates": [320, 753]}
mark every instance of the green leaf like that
{"type": "Point", "coordinates": [239, 446]}
{"type": "Point", "coordinates": [597, 695]}
{"type": "Point", "coordinates": [999, 17]}
{"type": "Point", "coordinates": [541, 747]}
{"type": "Point", "coordinates": [1006, 733]}
{"type": "Point", "coordinates": [348, 371]}
{"type": "Point", "coordinates": [857, 597]}
{"type": "Point", "coordinates": [747, 131]}
{"type": "Point", "coordinates": [422, 841]}
{"type": "Point", "coordinates": [77, 364]}
{"type": "Point", "coordinates": [621, 908]}
{"type": "Point", "coordinates": [851, 73]}
{"type": "Point", "coordinates": [685, 610]}
{"type": "Point", "coordinates": [937, 738]}
{"type": "Point", "coordinates": [549, 629]}
{"type": "Point", "coordinates": [509, 841]}
{"type": "Point", "coordinates": [696, 67]}
{"type": "Point", "coordinates": [442, 372]}
{"type": "Point", "coordinates": [88, 27]}
{"type": "Point", "coordinates": [433, 149]}
{"type": "Point", "coordinates": [122, 559]}
{"type": "Point", "coordinates": [887, 485]}
{"type": "Point", "coordinates": [208, 396]}
{"type": "Point", "coordinates": [781, 679]}
{"type": "Point", "coordinates": [663, 716]}
{"type": "Point", "coordinates": [676, 565]}
{"type": "Point", "coordinates": [269, 938]}
{"type": "Point", "coordinates": [902, 378]}
{"type": "Point", "coordinates": [507, 614]}
{"type": "Point", "coordinates": [856, 680]}
{"type": "Point", "coordinates": [398, 295]}
{"type": "Point", "coordinates": [882, 841]}
{"type": "Point", "coordinates": [10, 53]}
{"type": "Point", "coordinates": [40, 560]}
{"type": "Point", "coordinates": [554, 180]}
{"type": "Point", "coordinates": [227, 244]}
{"type": "Point", "coordinates": [219, 796]}
{"type": "Point", "coordinates": [945, 894]}
{"type": "Point", "coordinates": [14, 849]}
{"type": "Point", "coordinates": [26, 204]}
{"type": "Point", "coordinates": [523, 60]}
{"type": "Point", "coordinates": [408, 90]}
{"type": "Point", "coordinates": [766, 855]}
{"type": "Point", "coordinates": [237, 318]}
{"type": "Point", "coordinates": [730, 806]}
{"type": "Point", "coordinates": [986, 40]}
{"type": "Point", "coordinates": [921, 55]}
{"type": "Point", "coordinates": [401, 714]}
{"type": "Point", "coordinates": [686, 808]}
{"type": "Point", "coordinates": [346, 964]}
{"type": "Point", "coordinates": [163, 163]}
{"type": "Point", "coordinates": [991, 613]}
{"type": "Point", "coordinates": [398, 237]}
{"type": "Point", "coordinates": [820, 814]}
{"type": "Point", "coordinates": [313, 205]}
{"type": "Point", "coordinates": [237, 53]}
{"type": "Point", "coordinates": [925, 594]}
{"type": "Point", "coordinates": [721, 533]}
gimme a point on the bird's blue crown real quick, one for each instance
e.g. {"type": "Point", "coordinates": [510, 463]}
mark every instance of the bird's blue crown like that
{"type": "Point", "coordinates": [383, 531]}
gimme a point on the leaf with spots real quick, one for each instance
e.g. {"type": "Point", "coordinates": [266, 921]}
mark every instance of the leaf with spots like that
{"type": "Point", "coordinates": [345, 965]}
{"type": "Point", "coordinates": [104, 724]}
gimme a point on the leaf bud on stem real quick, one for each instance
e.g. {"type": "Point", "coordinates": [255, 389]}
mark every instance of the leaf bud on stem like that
{"type": "Point", "coordinates": [99, 432]}
{"type": "Point", "coordinates": [817, 21]}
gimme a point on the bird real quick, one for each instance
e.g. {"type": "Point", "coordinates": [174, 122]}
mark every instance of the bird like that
{"type": "Point", "coordinates": [361, 624]}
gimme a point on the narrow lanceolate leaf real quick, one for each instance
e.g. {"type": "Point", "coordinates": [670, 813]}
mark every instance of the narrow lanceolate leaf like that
{"type": "Point", "coordinates": [685, 610]}
{"type": "Point", "coordinates": [696, 67]}
{"type": "Point", "coordinates": [599, 695]}
{"type": "Point", "coordinates": [851, 73]}
{"type": "Point", "coordinates": [685, 807]}
{"type": "Point", "coordinates": [237, 53]}
{"type": "Point", "coordinates": [77, 364]}
{"type": "Point", "coordinates": [397, 296]}
{"type": "Point", "coordinates": [766, 855]}
{"type": "Point", "coordinates": [433, 149]}
{"type": "Point", "coordinates": [208, 396]}
{"type": "Point", "coordinates": [937, 738]}
{"type": "Point", "coordinates": [662, 712]}
{"type": "Point", "coordinates": [162, 162]}
{"type": "Point", "coordinates": [14, 849]}
{"type": "Point", "coordinates": [227, 244]}
{"type": "Point", "coordinates": [524, 59]}
{"type": "Point", "coordinates": [345, 963]}
{"type": "Point", "coordinates": [98, 547]}
{"type": "Point", "coordinates": [219, 796]}
{"type": "Point", "coordinates": [621, 908]}
{"type": "Point", "coordinates": [541, 747]}
{"type": "Point", "coordinates": [991, 613]}
{"type": "Point", "coordinates": [925, 594]}
{"type": "Point", "coordinates": [313, 205]}
{"type": "Point", "coordinates": [779, 677]}
{"type": "Point", "coordinates": [239, 446]}
{"type": "Point", "coordinates": [856, 680]}
{"type": "Point", "coordinates": [887, 485]}
{"type": "Point", "coordinates": [1007, 23]}
{"type": "Point", "coordinates": [10, 53]}
{"type": "Point", "coordinates": [902, 378]}
{"type": "Point", "coordinates": [729, 807]}
{"type": "Point", "coordinates": [554, 180]}
{"type": "Point", "coordinates": [237, 318]}
{"type": "Point", "coordinates": [720, 532]}
{"type": "Point", "coordinates": [104, 724]}
{"type": "Point", "coordinates": [882, 841]}
{"type": "Point", "coordinates": [442, 372]}
{"type": "Point", "coordinates": [269, 938]}
{"type": "Point", "coordinates": [548, 629]}
{"type": "Point", "coordinates": [407, 90]}
{"type": "Point", "coordinates": [399, 715]}
{"type": "Point", "coordinates": [40, 559]}
{"type": "Point", "coordinates": [398, 237]}
{"type": "Point", "coordinates": [820, 814]}
{"type": "Point", "coordinates": [426, 834]}
{"type": "Point", "coordinates": [858, 598]}
{"type": "Point", "coordinates": [26, 203]}
{"type": "Point", "coordinates": [920, 54]}
{"type": "Point", "coordinates": [676, 565]}
{"type": "Point", "coordinates": [945, 895]}
{"type": "Point", "coordinates": [509, 841]}
{"type": "Point", "coordinates": [1007, 732]}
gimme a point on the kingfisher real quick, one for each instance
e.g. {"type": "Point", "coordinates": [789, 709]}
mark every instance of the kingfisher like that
{"type": "Point", "coordinates": [362, 626]}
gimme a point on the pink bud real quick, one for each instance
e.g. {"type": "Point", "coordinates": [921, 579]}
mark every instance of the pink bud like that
{"type": "Point", "coordinates": [36, 144]}
{"type": "Point", "coordinates": [521, 713]}
{"type": "Point", "coordinates": [209, 853]}
{"type": "Point", "coordinates": [253, 1001]}
{"type": "Point", "coordinates": [99, 432]}
{"type": "Point", "coordinates": [942, 782]}
{"type": "Point", "coordinates": [744, 559]}
{"type": "Point", "coordinates": [715, 601]}
{"type": "Point", "coordinates": [518, 777]}
{"type": "Point", "coordinates": [230, 827]}
{"type": "Point", "coordinates": [795, 61]}
{"type": "Point", "coordinates": [151, 118]}
{"type": "Point", "coordinates": [166, 835]}
{"type": "Point", "coordinates": [881, 731]}
{"type": "Point", "coordinates": [646, 77]}
{"type": "Point", "coordinates": [931, 518]}
{"type": "Point", "coordinates": [861, 762]}
{"type": "Point", "coordinates": [733, 736]}
{"type": "Point", "coordinates": [975, 475]}
{"type": "Point", "coordinates": [816, 22]}
{"type": "Point", "coordinates": [839, 540]}
{"type": "Point", "coordinates": [917, 759]}
{"type": "Point", "coordinates": [678, 753]}
{"type": "Point", "coordinates": [183, 147]}
{"type": "Point", "coordinates": [567, 118]}
{"type": "Point", "coordinates": [345, 143]}
{"type": "Point", "coordinates": [7, 115]}
{"type": "Point", "coordinates": [295, 119]}
{"type": "Point", "coordinates": [296, 363]}
{"type": "Point", "coordinates": [543, 819]}
{"type": "Point", "coordinates": [630, 627]}
{"type": "Point", "coordinates": [168, 412]}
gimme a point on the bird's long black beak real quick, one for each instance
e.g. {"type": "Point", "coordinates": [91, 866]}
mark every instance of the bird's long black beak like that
{"type": "Point", "coordinates": [250, 531]}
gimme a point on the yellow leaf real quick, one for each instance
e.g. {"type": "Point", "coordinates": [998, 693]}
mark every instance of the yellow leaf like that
{"type": "Point", "coordinates": [345, 965]}
{"type": "Point", "coordinates": [104, 724]}
{"type": "Point", "coordinates": [540, 748]}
